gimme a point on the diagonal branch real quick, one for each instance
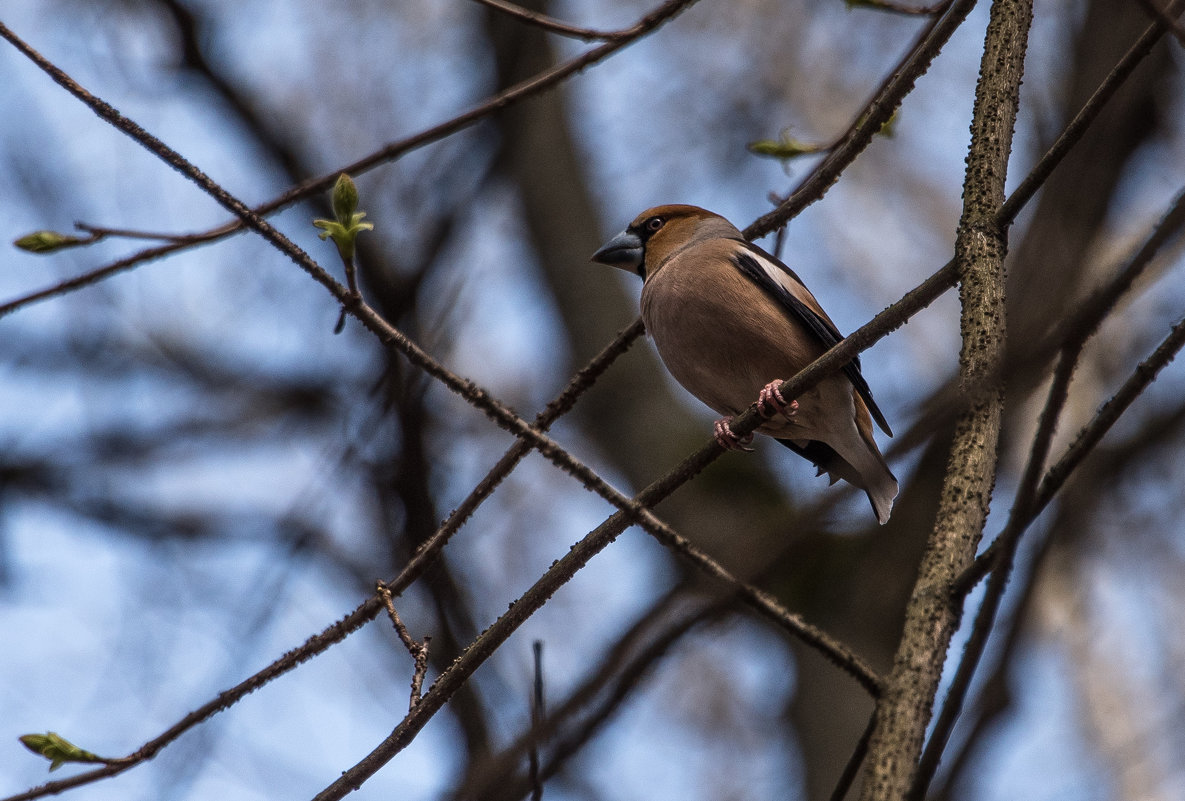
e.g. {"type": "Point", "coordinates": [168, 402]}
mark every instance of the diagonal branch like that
{"type": "Point", "coordinates": [554, 25]}
{"type": "Point", "coordinates": [884, 103]}
{"type": "Point", "coordinates": [1167, 17]}
{"type": "Point", "coordinates": [1090, 435]}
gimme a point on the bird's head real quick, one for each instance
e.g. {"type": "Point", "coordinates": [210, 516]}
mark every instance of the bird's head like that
{"type": "Point", "coordinates": [658, 233]}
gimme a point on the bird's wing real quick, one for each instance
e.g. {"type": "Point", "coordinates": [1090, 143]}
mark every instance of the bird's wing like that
{"type": "Point", "coordinates": [787, 289]}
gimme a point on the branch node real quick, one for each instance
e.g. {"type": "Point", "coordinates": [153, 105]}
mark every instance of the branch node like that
{"type": "Point", "coordinates": [418, 650]}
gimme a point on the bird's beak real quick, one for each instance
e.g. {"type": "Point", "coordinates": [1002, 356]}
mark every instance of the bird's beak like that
{"type": "Point", "coordinates": [623, 250]}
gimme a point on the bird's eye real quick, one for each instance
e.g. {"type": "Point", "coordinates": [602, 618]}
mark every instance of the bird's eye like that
{"type": "Point", "coordinates": [654, 223]}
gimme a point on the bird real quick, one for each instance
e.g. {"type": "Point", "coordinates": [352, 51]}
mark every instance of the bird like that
{"type": "Point", "coordinates": [730, 322]}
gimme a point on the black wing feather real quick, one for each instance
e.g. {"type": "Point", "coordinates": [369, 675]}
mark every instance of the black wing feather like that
{"type": "Point", "coordinates": [822, 328]}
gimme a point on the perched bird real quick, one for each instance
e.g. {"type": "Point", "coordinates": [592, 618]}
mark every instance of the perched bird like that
{"type": "Point", "coordinates": [731, 322]}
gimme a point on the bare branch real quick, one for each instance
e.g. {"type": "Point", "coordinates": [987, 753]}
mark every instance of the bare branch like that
{"type": "Point", "coordinates": [1144, 374]}
{"type": "Point", "coordinates": [931, 619]}
{"type": "Point", "coordinates": [834, 650]}
{"type": "Point", "coordinates": [1072, 334]}
{"type": "Point", "coordinates": [852, 768]}
{"type": "Point", "coordinates": [878, 111]}
{"type": "Point", "coordinates": [1075, 129]}
{"type": "Point", "coordinates": [1008, 541]}
{"type": "Point", "coordinates": [1166, 17]}
{"type": "Point", "coordinates": [898, 8]}
{"type": "Point", "coordinates": [417, 650]}
{"type": "Point", "coordinates": [551, 24]}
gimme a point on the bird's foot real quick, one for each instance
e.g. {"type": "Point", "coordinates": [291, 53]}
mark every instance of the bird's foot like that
{"type": "Point", "coordinates": [728, 440]}
{"type": "Point", "coordinates": [771, 401]}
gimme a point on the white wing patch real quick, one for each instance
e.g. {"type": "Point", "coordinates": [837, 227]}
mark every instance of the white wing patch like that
{"type": "Point", "coordinates": [792, 295]}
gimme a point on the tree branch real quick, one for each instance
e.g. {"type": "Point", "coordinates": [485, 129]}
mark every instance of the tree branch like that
{"type": "Point", "coordinates": [551, 24]}
{"type": "Point", "coordinates": [884, 103]}
{"type": "Point", "coordinates": [931, 619]}
{"type": "Point", "coordinates": [1166, 17]}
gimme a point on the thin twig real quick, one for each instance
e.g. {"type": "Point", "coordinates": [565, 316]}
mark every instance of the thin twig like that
{"type": "Point", "coordinates": [852, 768]}
{"type": "Point", "coordinates": [418, 650]}
{"type": "Point", "coordinates": [99, 232]}
{"type": "Point", "coordinates": [352, 287]}
{"type": "Point", "coordinates": [1108, 415]}
{"type": "Point", "coordinates": [629, 677]}
{"type": "Point", "coordinates": [94, 276]}
{"type": "Point", "coordinates": [898, 8]}
{"type": "Point", "coordinates": [629, 661]}
{"type": "Point", "coordinates": [552, 24]}
{"type": "Point", "coordinates": [763, 602]}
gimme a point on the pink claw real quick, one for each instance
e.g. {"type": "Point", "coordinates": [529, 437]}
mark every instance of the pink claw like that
{"type": "Point", "coordinates": [728, 440]}
{"type": "Point", "coordinates": [771, 401]}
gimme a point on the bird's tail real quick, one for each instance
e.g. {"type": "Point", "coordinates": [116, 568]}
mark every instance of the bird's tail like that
{"type": "Point", "coordinates": [864, 468]}
{"type": "Point", "coordinates": [880, 485]}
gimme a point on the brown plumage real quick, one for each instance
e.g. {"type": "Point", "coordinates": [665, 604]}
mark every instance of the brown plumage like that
{"type": "Point", "coordinates": [728, 319]}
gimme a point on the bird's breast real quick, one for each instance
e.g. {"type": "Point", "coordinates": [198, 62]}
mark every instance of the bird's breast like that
{"type": "Point", "coordinates": [720, 335]}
